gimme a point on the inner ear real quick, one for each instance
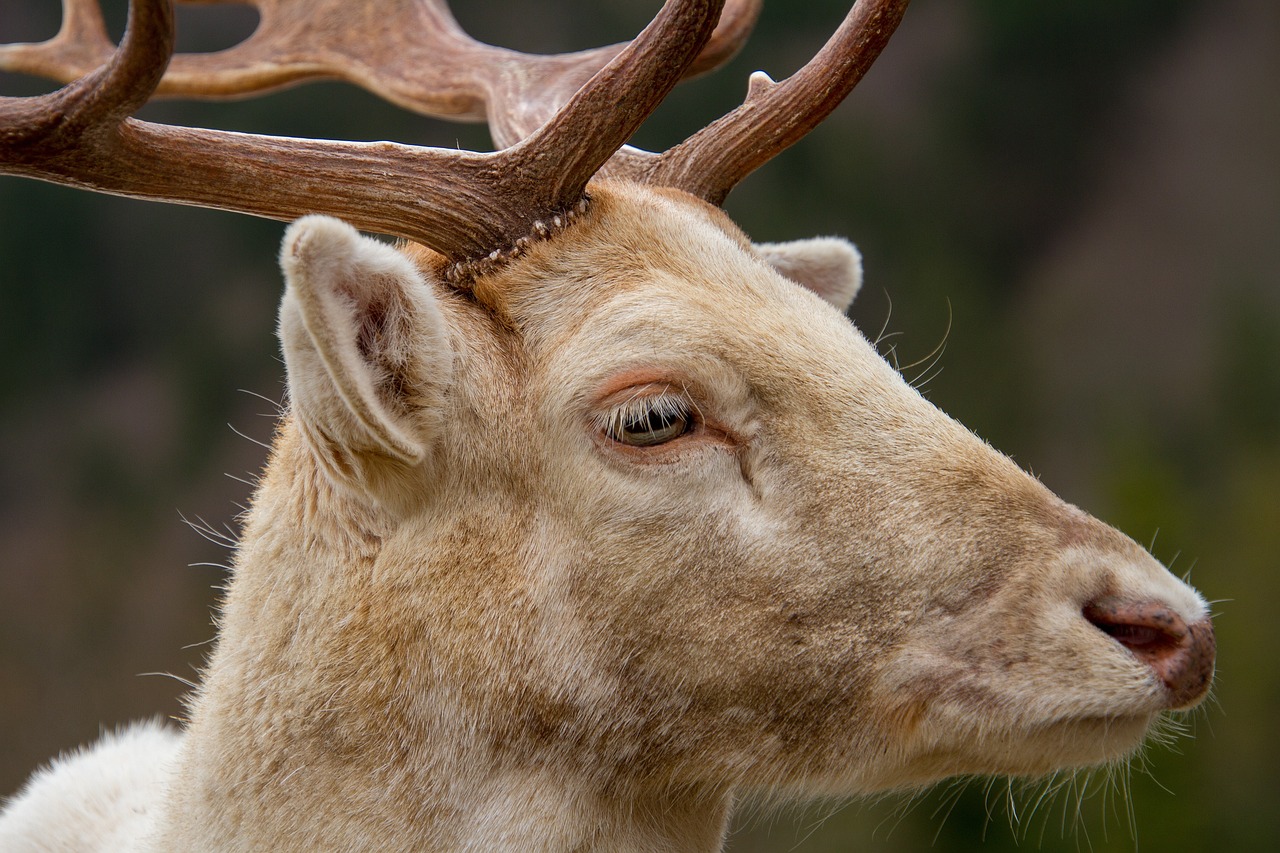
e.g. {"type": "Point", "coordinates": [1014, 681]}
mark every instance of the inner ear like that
{"type": "Point", "coordinates": [831, 267]}
{"type": "Point", "coordinates": [364, 343]}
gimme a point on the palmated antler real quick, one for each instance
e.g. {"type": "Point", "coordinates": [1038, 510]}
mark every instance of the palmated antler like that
{"type": "Point", "coordinates": [557, 119]}
{"type": "Point", "coordinates": [463, 204]}
{"type": "Point", "coordinates": [409, 52]}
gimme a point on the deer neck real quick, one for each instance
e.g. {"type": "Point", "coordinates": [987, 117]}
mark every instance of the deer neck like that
{"type": "Point", "coordinates": [544, 811]}
{"type": "Point", "coordinates": [316, 694]}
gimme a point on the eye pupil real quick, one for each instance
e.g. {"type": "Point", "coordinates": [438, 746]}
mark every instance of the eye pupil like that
{"type": "Point", "coordinates": [652, 422]}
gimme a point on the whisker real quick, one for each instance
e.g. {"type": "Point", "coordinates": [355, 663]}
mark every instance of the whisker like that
{"type": "Point", "coordinates": [937, 351]}
{"type": "Point", "coordinates": [177, 678]}
{"type": "Point", "coordinates": [261, 444]}
{"type": "Point", "coordinates": [278, 405]}
{"type": "Point", "coordinates": [250, 483]}
{"type": "Point", "coordinates": [880, 336]}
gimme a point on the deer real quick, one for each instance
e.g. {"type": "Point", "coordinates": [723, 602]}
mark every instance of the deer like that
{"type": "Point", "coordinates": [587, 515]}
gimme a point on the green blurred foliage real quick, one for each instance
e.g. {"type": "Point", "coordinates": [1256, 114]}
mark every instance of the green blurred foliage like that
{"type": "Point", "coordinates": [985, 153]}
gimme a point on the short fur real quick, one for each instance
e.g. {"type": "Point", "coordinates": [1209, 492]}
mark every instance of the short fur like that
{"type": "Point", "coordinates": [463, 616]}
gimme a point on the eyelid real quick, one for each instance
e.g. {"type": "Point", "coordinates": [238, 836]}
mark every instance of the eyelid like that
{"type": "Point", "coordinates": [635, 402]}
{"type": "Point", "coordinates": [640, 380]}
{"type": "Point", "coordinates": [708, 429]}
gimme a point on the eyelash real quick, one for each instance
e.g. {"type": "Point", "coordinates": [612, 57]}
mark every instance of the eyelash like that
{"type": "Point", "coordinates": [649, 421]}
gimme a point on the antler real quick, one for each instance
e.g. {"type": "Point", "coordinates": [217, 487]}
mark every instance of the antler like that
{"type": "Point", "coordinates": [774, 116]}
{"type": "Point", "coordinates": [409, 52]}
{"type": "Point", "coordinates": [463, 204]}
{"type": "Point", "coordinates": [558, 118]}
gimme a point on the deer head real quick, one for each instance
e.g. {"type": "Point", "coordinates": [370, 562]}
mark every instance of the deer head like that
{"type": "Point", "coordinates": [588, 512]}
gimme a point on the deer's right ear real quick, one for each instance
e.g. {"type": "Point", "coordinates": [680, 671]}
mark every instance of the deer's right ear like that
{"type": "Point", "coordinates": [365, 345]}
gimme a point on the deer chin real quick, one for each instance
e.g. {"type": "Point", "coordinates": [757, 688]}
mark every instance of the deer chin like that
{"type": "Point", "coordinates": [941, 737]}
{"type": "Point", "coordinates": [1037, 752]}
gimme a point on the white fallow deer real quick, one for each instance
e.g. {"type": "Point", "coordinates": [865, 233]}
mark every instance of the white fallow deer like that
{"type": "Point", "coordinates": [587, 514]}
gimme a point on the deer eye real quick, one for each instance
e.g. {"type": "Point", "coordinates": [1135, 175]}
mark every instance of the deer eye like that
{"type": "Point", "coordinates": [650, 421]}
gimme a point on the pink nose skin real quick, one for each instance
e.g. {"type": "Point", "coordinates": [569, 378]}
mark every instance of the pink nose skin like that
{"type": "Point", "coordinates": [1180, 654]}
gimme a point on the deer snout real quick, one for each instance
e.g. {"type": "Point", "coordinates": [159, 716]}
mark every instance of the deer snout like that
{"type": "Point", "coordinates": [1181, 655]}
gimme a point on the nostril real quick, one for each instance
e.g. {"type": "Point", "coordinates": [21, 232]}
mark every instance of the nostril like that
{"type": "Point", "coordinates": [1182, 656]}
{"type": "Point", "coordinates": [1143, 629]}
{"type": "Point", "coordinates": [1133, 636]}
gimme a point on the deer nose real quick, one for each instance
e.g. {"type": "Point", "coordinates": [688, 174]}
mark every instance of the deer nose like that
{"type": "Point", "coordinates": [1181, 655]}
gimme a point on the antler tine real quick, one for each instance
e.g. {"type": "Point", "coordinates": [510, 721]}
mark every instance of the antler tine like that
{"type": "Point", "coordinates": [774, 116]}
{"type": "Point", "coordinates": [737, 20]}
{"type": "Point", "coordinates": [612, 105]}
{"type": "Point", "coordinates": [59, 125]}
{"type": "Point", "coordinates": [528, 88]}
{"type": "Point", "coordinates": [461, 203]}
{"type": "Point", "coordinates": [80, 46]}
{"type": "Point", "coordinates": [420, 60]}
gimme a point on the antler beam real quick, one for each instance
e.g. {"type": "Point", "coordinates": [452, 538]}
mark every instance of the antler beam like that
{"type": "Point", "coordinates": [558, 119]}
{"type": "Point", "coordinates": [463, 204]}
{"type": "Point", "coordinates": [409, 52]}
{"type": "Point", "coordinates": [774, 116]}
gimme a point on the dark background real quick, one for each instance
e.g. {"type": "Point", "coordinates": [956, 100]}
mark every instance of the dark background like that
{"type": "Point", "coordinates": [1086, 192]}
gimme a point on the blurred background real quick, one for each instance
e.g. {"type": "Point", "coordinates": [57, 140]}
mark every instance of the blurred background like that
{"type": "Point", "coordinates": [1080, 197]}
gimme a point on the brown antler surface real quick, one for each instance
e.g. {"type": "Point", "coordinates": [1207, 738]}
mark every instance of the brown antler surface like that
{"type": "Point", "coordinates": [774, 116]}
{"type": "Point", "coordinates": [558, 119]}
{"type": "Point", "coordinates": [410, 52]}
{"type": "Point", "coordinates": [81, 46]}
{"type": "Point", "coordinates": [463, 204]}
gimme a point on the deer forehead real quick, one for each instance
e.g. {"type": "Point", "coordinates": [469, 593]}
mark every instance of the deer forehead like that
{"type": "Point", "coordinates": [661, 282]}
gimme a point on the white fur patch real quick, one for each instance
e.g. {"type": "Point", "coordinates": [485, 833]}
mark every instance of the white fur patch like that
{"type": "Point", "coordinates": [98, 798]}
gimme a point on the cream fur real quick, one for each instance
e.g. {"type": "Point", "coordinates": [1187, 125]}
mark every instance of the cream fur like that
{"type": "Point", "coordinates": [463, 617]}
{"type": "Point", "coordinates": [829, 266]}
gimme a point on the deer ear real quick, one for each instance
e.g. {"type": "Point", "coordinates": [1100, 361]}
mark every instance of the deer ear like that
{"type": "Point", "coordinates": [365, 346]}
{"type": "Point", "coordinates": [829, 266]}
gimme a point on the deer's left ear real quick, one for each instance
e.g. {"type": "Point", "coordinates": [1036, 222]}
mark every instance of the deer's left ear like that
{"type": "Point", "coordinates": [829, 266]}
{"type": "Point", "coordinates": [366, 348]}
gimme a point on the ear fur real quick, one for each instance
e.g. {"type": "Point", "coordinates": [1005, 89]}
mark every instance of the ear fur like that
{"type": "Point", "coordinates": [364, 343]}
{"type": "Point", "coordinates": [829, 266]}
